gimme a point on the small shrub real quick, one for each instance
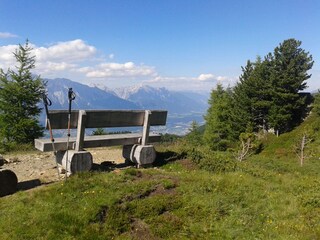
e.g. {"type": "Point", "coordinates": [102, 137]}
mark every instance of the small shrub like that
{"type": "Point", "coordinates": [210, 160]}
{"type": "Point", "coordinates": [168, 184]}
{"type": "Point", "coordinates": [132, 172]}
{"type": "Point", "coordinates": [217, 162]}
{"type": "Point", "coordinates": [99, 131]}
{"type": "Point", "coordinates": [249, 144]}
{"type": "Point", "coordinates": [13, 147]}
{"type": "Point", "coordinates": [169, 138]}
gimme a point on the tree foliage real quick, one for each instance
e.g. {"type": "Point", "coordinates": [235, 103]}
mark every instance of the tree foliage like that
{"type": "Point", "coordinates": [19, 97]}
{"type": "Point", "coordinates": [218, 131]}
{"type": "Point", "coordinates": [290, 65]}
{"type": "Point", "coordinates": [267, 96]}
{"type": "Point", "coordinates": [194, 135]}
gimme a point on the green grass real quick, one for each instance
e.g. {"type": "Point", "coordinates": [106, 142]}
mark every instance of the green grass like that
{"type": "Point", "coordinates": [268, 196]}
{"type": "Point", "coordinates": [260, 200]}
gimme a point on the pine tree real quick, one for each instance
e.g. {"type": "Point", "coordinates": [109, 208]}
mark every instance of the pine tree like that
{"type": "Point", "coordinates": [218, 132]}
{"type": "Point", "coordinates": [194, 136]}
{"type": "Point", "coordinates": [259, 91]}
{"type": "Point", "coordinates": [19, 97]}
{"type": "Point", "coordinates": [241, 112]}
{"type": "Point", "coordinates": [289, 74]}
{"type": "Point", "coordinates": [252, 97]}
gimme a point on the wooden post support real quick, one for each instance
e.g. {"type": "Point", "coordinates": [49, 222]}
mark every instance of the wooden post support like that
{"type": "Point", "coordinates": [81, 130]}
{"type": "Point", "coordinates": [146, 128]}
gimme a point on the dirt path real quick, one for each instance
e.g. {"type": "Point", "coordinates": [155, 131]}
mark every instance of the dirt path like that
{"type": "Point", "coordinates": [41, 167]}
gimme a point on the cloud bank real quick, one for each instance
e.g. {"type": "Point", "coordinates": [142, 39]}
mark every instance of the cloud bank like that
{"type": "Point", "coordinates": [81, 62]}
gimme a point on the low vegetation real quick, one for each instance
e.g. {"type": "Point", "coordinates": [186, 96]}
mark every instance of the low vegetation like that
{"type": "Point", "coordinates": [191, 194]}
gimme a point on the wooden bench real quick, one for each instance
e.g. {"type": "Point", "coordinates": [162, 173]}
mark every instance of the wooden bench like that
{"type": "Point", "coordinates": [136, 146]}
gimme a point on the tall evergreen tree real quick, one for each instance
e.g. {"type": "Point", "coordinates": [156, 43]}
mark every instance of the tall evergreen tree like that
{"type": "Point", "coordinates": [218, 131]}
{"type": "Point", "coordinates": [252, 97]}
{"type": "Point", "coordinates": [19, 97]}
{"type": "Point", "coordinates": [289, 74]}
{"type": "Point", "coordinates": [259, 91]}
{"type": "Point", "coordinates": [241, 112]}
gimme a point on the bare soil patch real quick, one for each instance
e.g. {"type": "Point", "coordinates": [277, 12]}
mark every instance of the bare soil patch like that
{"type": "Point", "coordinates": [41, 167]}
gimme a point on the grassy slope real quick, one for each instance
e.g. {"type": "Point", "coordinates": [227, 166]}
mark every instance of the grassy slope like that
{"type": "Point", "coordinates": [269, 197]}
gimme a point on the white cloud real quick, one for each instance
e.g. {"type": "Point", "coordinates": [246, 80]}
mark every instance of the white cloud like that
{"type": "Point", "coordinates": [48, 67]}
{"type": "Point", "coordinates": [7, 35]}
{"type": "Point", "coordinates": [71, 51]}
{"type": "Point", "coordinates": [80, 61]}
{"type": "Point", "coordinates": [6, 56]}
{"type": "Point", "coordinates": [204, 82]}
{"type": "Point", "coordinates": [211, 78]}
{"type": "Point", "coordinates": [206, 77]}
{"type": "Point", "coordinates": [63, 56]}
{"type": "Point", "coordinates": [116, 70]}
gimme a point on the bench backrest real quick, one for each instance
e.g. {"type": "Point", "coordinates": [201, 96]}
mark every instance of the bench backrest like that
{"type": "Point", "coordinates": [107, 118]}
{"type": "Point", "coordinates": [82, 119]}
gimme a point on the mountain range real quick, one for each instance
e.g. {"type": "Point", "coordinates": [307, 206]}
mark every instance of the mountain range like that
{"type": "Point", "coordinates": [182, 107]}
{"type": "Point", "coordinates": [136, 97]}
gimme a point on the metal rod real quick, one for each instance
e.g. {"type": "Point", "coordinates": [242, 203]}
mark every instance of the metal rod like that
{"type": "Point", "coordinates": [71, 97]}
{"type": "Point", "coordinates": [47, 102]}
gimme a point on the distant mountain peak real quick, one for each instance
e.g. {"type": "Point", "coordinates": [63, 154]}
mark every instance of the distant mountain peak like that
{"type": "Point", "coordinates": [102, 87]}
{"type": "Point", "coordinates": [127, 92]}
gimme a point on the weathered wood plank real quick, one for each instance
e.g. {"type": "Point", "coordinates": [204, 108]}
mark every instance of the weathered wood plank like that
{"type": "Point", "coordinates": [60, 144]}
{"type": "Point", "coordinates": [146, 128]}
{"type": "Point", "coordinates": [59, 119]}
{"type": "Point", "coordinates": [81, 130]}
{"type": "Point", "coordinates": [107, 118]}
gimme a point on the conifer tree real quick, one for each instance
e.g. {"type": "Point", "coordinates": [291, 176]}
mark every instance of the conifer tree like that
{"type": "Point", "coordinates": [194, 136]}
{"type": "Point", "coordinates": [252, 98]}
{"type": "Point", "coordinates": [19, 97]}
{"type": "Point", "coordinates": [241, 112]}
{"type": "Point", "coordinates": [289, 74]}
{"type": "Point", "coordinates": [218, 131]}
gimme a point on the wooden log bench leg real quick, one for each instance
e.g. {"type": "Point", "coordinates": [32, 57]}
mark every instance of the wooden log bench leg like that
{"type": "Point", "coordinates": [144, 154]}
{"type": "Point", "coordinates": [141, 155]}
{"type": "Point", "coordinates": [8, 182]}
{"type": "Point", "coordinates": [78, 161]}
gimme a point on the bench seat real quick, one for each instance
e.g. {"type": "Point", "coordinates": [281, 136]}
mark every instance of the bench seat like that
{"type": "Point", "coordinates": [60, 144]}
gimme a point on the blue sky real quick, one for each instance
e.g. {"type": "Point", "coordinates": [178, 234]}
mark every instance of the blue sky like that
{"type": "Point", "coordinates": [178, 44]}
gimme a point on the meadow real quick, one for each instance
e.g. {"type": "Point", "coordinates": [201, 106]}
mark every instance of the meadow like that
{"type": "Point", "coordinates": [267, 196]}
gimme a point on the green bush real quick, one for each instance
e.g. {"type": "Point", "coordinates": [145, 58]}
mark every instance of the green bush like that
{"type": "Point", "coordinates": [14, 147]}
{"type": "Point", "coordinates": [213, 161]}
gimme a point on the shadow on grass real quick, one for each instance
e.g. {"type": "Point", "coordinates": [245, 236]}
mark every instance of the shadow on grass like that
{"type": "Point", "coordinates": [165, 157]}
{"type": "Point", "coordinates": [108, 166]}
{"type": "Point", "coordinates": [26, 185]}
{"type": "Point", "coordinates": [162, 158]}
